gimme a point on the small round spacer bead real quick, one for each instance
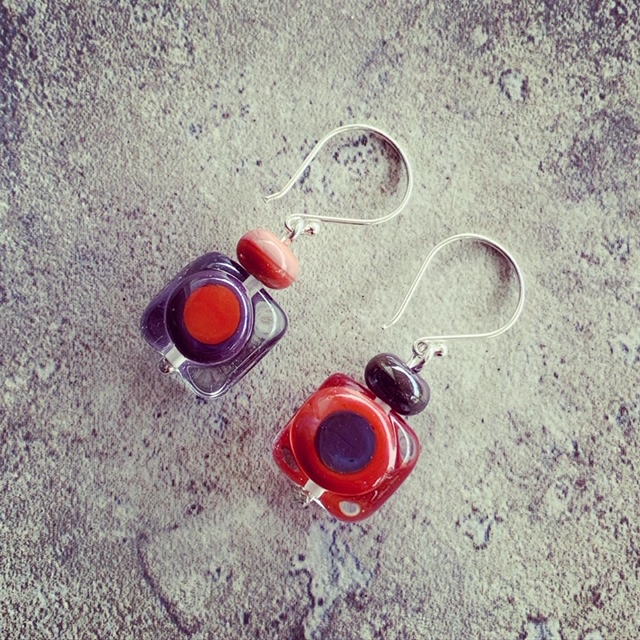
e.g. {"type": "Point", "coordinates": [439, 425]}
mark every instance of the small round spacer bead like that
{"type": "Point", "coordinates": [393, 381]}
{"type": "Point", "coordinates": [267, 258]}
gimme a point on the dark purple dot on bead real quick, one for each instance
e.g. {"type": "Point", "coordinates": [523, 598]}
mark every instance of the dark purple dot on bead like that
{"type": "Point", "coordinates": [395, 383]}
{"type": "Point", "coordinates": [345, 442]}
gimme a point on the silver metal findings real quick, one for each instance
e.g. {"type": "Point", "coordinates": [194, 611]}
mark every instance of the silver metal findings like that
{"type": "Point", "coordinates": [298, 224]}
{"type": "Point", "coordinates": [427, 347]}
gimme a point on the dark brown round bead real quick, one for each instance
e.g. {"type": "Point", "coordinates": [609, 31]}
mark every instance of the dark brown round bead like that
{"type": "Point", "coordinates": [395, 383]}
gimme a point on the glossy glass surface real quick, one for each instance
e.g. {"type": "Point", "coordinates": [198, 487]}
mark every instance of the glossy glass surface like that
{"type": "Point", "coordinates": [212, 313]}
{"type": "Point", "coordinates": [210, 370]}
{"type": "Point", "coordinates": [395, 383]}
{"type": "Point", "coordinates": [176, 316]}
{"type": "Point", "coordinates": [345, 442]}
{"type": "Point", "coordinates": [267, 258]}
{"type": "Point", "coordinates": [353, 493]}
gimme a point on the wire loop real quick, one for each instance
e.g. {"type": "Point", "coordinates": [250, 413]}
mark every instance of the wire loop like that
{"type": "Point", "coordinates": [292, 221]}
{"type": "Point", "coordinates": [427, 347]}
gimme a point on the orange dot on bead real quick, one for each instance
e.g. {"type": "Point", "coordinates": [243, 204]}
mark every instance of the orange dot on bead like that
{"type": "Point", "coordinates": [267, 258]}
{"type": "Point", "coordinates": [212, 314]}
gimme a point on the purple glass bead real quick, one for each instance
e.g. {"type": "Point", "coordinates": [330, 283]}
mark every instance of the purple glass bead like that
{"type": "Point", "coordinates": [395, 383]}
{"type": "Point", "coordinates": [212, 324]}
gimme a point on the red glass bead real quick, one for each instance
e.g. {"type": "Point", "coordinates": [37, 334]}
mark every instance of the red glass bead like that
{"type": "Point", "coordinates": [348, 450]}
{"type": "Point", "coordinates": [267, 258]}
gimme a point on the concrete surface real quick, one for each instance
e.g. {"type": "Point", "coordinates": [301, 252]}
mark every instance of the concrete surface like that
{"type": "Point", "coordinates": [139, 135]}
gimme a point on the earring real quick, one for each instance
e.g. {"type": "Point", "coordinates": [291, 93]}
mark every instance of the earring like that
{"type": "Point", "coordinates": [214, 320]}
{"type": "Point", "coordinates": [349, 447]}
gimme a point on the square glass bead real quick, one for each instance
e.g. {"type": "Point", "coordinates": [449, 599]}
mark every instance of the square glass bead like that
{"type": "Point", "coordinates": [212, 323]}
{"type": "Point", "coordinates": [346, 449]}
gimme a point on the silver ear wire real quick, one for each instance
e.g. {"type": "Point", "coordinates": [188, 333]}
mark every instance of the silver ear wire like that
{"type": "Point", "coordinates": [429, 346]}
{"type": "Point", "coordinates": [293, 222]}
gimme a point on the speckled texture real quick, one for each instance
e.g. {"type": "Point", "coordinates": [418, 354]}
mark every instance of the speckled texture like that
{"type": "Point", "coordinates": [139, 135]}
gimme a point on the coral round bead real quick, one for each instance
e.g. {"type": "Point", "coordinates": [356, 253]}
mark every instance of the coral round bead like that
{"type": "Point", "coordinates": [267, 258]}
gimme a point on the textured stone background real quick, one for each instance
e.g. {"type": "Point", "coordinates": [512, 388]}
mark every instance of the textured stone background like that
{"type": "Point", "coordinates": [138, 135]}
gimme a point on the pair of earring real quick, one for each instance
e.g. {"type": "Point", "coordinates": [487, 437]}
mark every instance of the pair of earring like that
{"type": "Point", "coordinates": [349, 446]}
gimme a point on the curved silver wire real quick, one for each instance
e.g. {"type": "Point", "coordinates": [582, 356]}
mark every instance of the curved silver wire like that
{"type": "Point", "coordinates": [291, 221]}
{"type": "Point", "coordinates": [425, 345]}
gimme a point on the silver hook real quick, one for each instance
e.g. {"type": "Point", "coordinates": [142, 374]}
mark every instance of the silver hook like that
{"type": "Point", "coordinates": [424, 348]}
{"type": "Point", "coordinates": [293, 221]}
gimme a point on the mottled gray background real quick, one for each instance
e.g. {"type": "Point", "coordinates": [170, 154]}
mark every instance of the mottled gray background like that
{"type": "Point", "coordinates": [138, 135]}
